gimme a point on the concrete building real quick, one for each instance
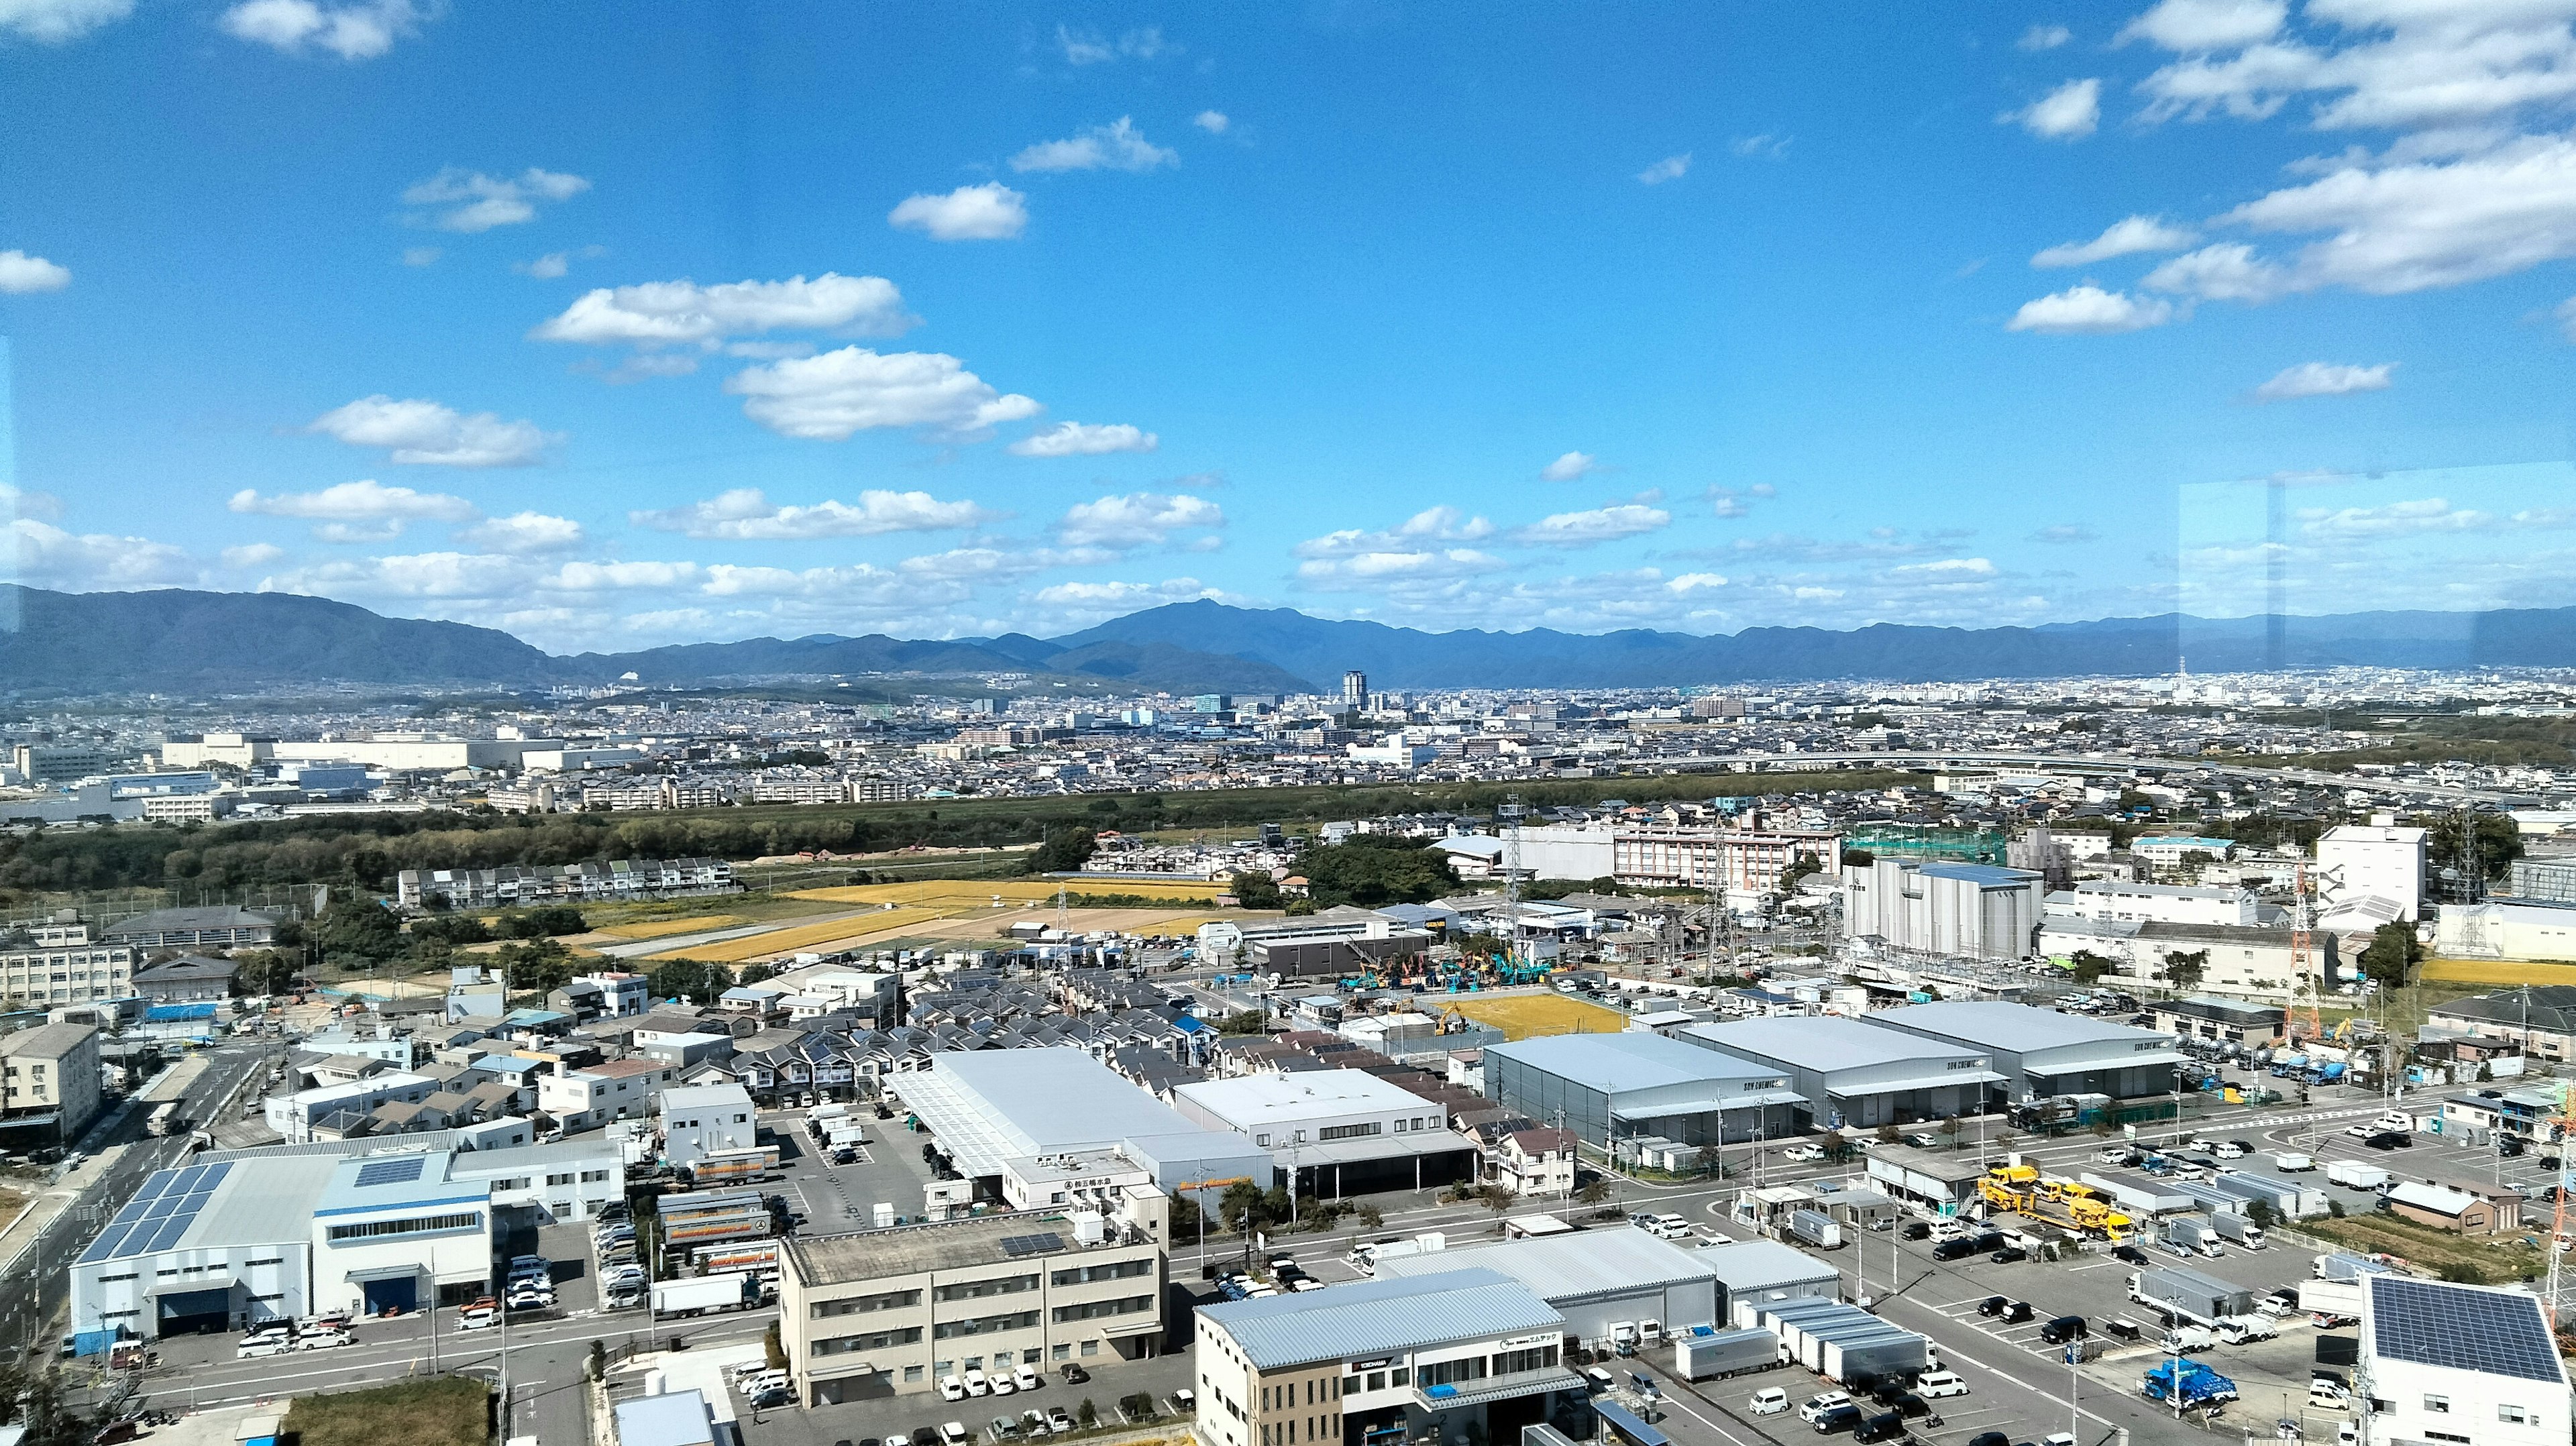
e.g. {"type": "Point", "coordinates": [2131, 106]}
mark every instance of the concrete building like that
{"type": "Point", "coordinates": [2507, 929]}
{"type": "Point", "coordinates": [188, 979]}
{"type": "Point", "coordinates": [2120, 900]}
{"type": "Point", "coordinates": [2355, 860]}
{"type": "Point", "coordinates": [882, 1313]}
{"type": "Point", "coordinates": [67, 966]}
{"type": "Point", "coordinates": [592, 1096]}
{"type": "Point", "coordinates": [2204, 1016]}
{"type": "Point", "coordinates": [1853, 1076]}
{"type": "Point", "coordinates": [1034, 1128]}
{"type": "Point", "coordinates": [53, 1081]}
{"type": "Point", "coordinates": [2458, 1363]}
{"type": "Point", "coordinates": [2041, 1052]}
{"type": "Point", "coordinates": [41, 763]}
{"type": "Point", "coordinates": [1443, 1358]}
{"type": "Point", "coordinates": [703, 1120]}
{"type": "Point", "coordinates": [2541, 1018]}
{"type": "Point", "coordinates": [1594, 1278]}
{"type": "Point", "coordinates": [310, 1114]}
{"type": "Point", "coordinates": [1977, 911]}
{"type": "Point", "coordinates": [2246, 963]}
{"type": "Point", "coordinates": [1743, 865]}
{"type": "Point", "coordinates": [1338, 1131]}
{"type": "Point", "coordinates": [1612, 1088]}
{"type": "Point", "coordinates": [1752, 1274]}
{"type": "Point", "coordinates": [215, 927]}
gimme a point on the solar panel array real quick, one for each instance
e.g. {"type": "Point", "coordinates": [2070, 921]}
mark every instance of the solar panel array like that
{"type": "Point", "coordinates": [2433, 1324]}
{"type": "Point", "coordinates": [158, 1214]}
{"type": "Point", "coordinates": [1019, 1245]}
{"type": "Point", "coordinates": [402, 1170]}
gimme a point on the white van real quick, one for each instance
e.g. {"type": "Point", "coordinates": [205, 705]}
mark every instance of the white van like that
{"type": "Point", "coordinates": [1770, 1402]}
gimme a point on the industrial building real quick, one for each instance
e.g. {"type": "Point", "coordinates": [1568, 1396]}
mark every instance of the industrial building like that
{"type": "Point", "coordinates": [1854, 1076]}
{"type": "Point", "coordinates": [1337, 1131]}
{"type": "Point", "coordinates": [2507, 929]}
{"type": "Point", "coordinates": [1451, 1356]}
{"type": "Point", "coordinates": [2041, 1052]}
{"type": "Point", "coordinates": [1753, 1274]}
{"type": "Point", "coordinates": [879, 1313]}
{"type": "Point", "coordinates": [1039, 1127]}
{"type": "Point", "coordinates": [1596, 1279]}
{"type": "Point", "coordinates": [2455, 1363]}
{"type": "Point", "coordinates": [1976, 911]}
{"type": "Point", "coordinates": [244, 1236]}
{"type": "Point", "coordinates": [2254, 963]}
{"type": "Point", "coordinates": [703, 1120]}
{"type": "Point", "coordinates": [1614, 1088]}
{"type": "Point", "coordinates": [2541, 1018]}
{"type": "Point", "coordinates": [2121, 901]}
{"type": "Point", "coordinates": [2203, 1016]}
{"type": "Point", "coordinates": [2382, 859]}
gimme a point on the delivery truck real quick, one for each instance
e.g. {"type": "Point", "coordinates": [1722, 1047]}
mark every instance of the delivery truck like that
{"type": "Point", "coordinates": [2354, 1175]}
{"type": "Point", "coordinates": [704, 1293]}
{"type": "Point", "coordinates": [1698, 1357]}
{"type": "Point", "coordinates": [2235, 1229]}
{"type": "Point", "coordinates": [2188, 1295]}
{"type": "Point", "coordinates": [1816, 1228]}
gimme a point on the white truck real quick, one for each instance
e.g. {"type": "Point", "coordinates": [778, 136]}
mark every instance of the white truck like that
{"type": "Point", "coordinates": [1365, 1255]}
{"type": "Point", "coordinates": [2236, 1330]}
{"type": "Point", "coordinates": [2354, 1175]}
{"type": "Point", "coordinates": [700, 1294]}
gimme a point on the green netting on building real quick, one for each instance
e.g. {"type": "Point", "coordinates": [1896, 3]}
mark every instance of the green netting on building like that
{"type": "Point", "coordinates": [1900, 841]}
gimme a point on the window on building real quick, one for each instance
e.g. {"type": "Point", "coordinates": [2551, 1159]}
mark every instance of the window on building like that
{"type": "Point", "coordinates": [2438, 1405]}
{"type": "Point", "coordinates": [1098, 1309]}
{"type": "Point", "coordinates": [2513, 1415]}
{"type": "Point", "coordinates": [993, 1285]}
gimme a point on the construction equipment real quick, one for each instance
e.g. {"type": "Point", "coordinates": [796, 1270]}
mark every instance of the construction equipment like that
{"type": "Point", "coordinates": [2009, 1187]}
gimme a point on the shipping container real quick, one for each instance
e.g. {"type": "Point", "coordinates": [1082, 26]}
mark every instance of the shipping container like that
{"type": "Point", "coordinates": [1699, 1357]}
{"type": "Point", "coordinates": [2188, 1294]}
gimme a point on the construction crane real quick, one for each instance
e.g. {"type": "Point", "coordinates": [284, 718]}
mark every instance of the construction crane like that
{"type": "Point", "coordinates": [2303, 973]}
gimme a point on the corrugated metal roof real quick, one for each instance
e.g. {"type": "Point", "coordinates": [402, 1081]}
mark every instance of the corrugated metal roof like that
{"type": "Point", "coordinates": [1746, 1265]}
{"type": "Point", "coordinates": [1380, 1317]}
{"type": "Point", "coordinates": [1824, 1043]}
{"type": "Point", "coordinates": [1617, 1063]}
{"type": "Point", "coordinates": [1572, 1266]}
{"type": "Point", "coordinates": [1993, 1024]}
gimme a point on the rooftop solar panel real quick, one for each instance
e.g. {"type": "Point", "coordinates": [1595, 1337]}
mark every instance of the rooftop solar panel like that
{"type": "Point", "coordinates": [159, 1214]}
{"type": "Point", "coordinates": [1018, 1245]}
{"type": "Point", "coordinates": [2434, 1324]}
{"type": "Point", "coordinates": [401, 1171]}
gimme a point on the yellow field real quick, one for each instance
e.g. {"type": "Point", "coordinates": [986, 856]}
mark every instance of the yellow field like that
{"type": "Point", "coordinates": [803, 937]}
{"type": "Point", "coordinates": [661, 928]}
{"type": "Point", "coordinates": [2495, 971]}
{"type": "Point", "coordinates": [1522, 1016]}
{"type": "Point", "coordinates": [980, 893]}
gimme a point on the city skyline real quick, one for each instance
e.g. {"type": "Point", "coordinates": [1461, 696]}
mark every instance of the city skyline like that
{"type": "Point", "coordinates": [823, 321]}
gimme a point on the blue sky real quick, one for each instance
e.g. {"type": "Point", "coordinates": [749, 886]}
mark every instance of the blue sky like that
{"type": "Point", "coordinates": [618, 325]}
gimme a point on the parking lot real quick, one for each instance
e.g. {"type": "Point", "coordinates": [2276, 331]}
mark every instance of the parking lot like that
{"type": "Point", "coordinates": [888, 1419]}
{"type": "Point", "coordinates": [844, 1197]}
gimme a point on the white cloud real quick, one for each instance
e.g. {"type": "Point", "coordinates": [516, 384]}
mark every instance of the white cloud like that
{"type": "Point", "coordinates": [1365, 570]}
{"type": "Point", "coordinates": [1570, 466]}
{"type": "Point", "coordinates": [989, 212]}
{"type": "Point", "coordinates": [361, 501]}
{"type": "Point", "coordinates": [424, 433]}
{"type": "Point", "coordinates": [48, 556]}
{"type": "Point", "coordinates": [1214, 122]}
{"type": "Point", "coordinates": [549, 267]}
{"type": "Point", "coordinates": [2566, 314]}
{"type": "Point", "coordinates": [1093, 600]}
{"type": "Point", "coordinates": [1138, 519]}
{"type": "Point", "coordinates": [2089, 311]}
{"type": "Point", "coordinates": [1732, 502]}
{"type": "Point", "coordinates": [2400, 64]}
{"type": "Point", "coordinates": [20, 502]}
{"type": "Point", "coordinates": [2044, 37]}
{"type": "Point", "coordinates": [745, 514]}
{"type": "Point", "coordinates": [828, 397]}
{"type": "Point", "coordinates": [2323, 379]}
{"type": "Point", "coordinates": [52, 22]}
{"type": "Point", "coordinates": [2126, 237]}
{"type": "Point", "coordinates": [252, 555]}
{"type": "Point", "coordinates": [421, 255]}
{"type": "Point", "coordinates": [1696, 582]}
{"type": "Point", "coordinates": [526, 532]}
{"type": "Point", "coordinates": [2229, 271]}
{"type": "Point", "coordinates": [1089, 48]}
{"type": "Point", "coordinates": [1600, 524]}
{"type": "Point", "coordinates": [1117, 146]}
{"type": "Point", "coordinates": [360, 30]}
{"type": "Point", "coordinates": [2068, 113]}
{"type": "Point", "coordinates": [2396, 519]}
{"type": "Point", "coordinates": [1670, 168]}
{"type": "Point", "coordinates": [1084, 439]}
{"type": "Point", "coordinates": [1432, 524]}
{"type": "Point", "coordinates": [2065, 534]}
{"type": "Point", "coordinates": [470, 201]}
{"type": "Point", "coordinates": [2203, 25]}
{"type": "Point", "coordinates": [665, 313]}
{"type": "Point", "coordinates": [1765, 146]}
{"type": "Point", "coordinates": [22, 274]}
{"type": "Point", "coordinates": [1946, 569]}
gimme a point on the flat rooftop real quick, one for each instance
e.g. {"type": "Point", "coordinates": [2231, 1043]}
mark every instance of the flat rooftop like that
{"type": "Point", "coordinates": [2019, 1028]}
{"type": "Point", "coordinates": [1253, 1099]}
{"type": "Point", "coordinates": [993, 1105]}
{"type": "Point", "coordinates": [1617, 1063]}
{"type": "Point", "coordinates": [1381, 1317]}
{"type": "Point", "coordinates": [948, 1245]}
{"type": "Point", "coordinates": [1827, 1043]}
{"type": "Point", "coordinates": [1569, 1265]}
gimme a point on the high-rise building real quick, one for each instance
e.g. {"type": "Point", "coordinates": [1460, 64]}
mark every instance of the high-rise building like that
{"type": "Point", "coordinates": [1355, 689]}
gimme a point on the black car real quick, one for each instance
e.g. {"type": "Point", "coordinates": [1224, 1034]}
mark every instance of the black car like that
{"type": "Point", "coordinates": [1990, 1240]}
{"type": "Point", "coordinates": [2063, 1329]}
{"type": "Point", "coordinates": [2549, 1162]}
{"type": "Point", "coordinates": [2389, 1140]}
{"type": "Point", "coordinates": [2017, 1312]}
{"type": "Point", "coordinates": [2128, 1254]}
{"type": "Point", "coordinates": [1959, 1249]}
{"type": "Point", "coordinates": [925, 1436]}
{"type": "Point", "coordinates": [2008, 1255]}
{"type": "Point", "coordinates": [1838, 1420]}
{"type": "Point", "coordinates": [1990, 1438]}
{"type": "Point", "coordinates": [1075, 1375]}
{"type": "Point", "coordinates": [1992, 1305]}
{"type": "Point", "coordinates": [1911, 1405]}
{"type": "Point", "coordinates": [1917, 1230]}
{"type": "Point", "coordinates": [1886, 1426]}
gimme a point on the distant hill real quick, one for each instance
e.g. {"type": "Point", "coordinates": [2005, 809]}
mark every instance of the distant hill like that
{"type": "Point", "coordinates": [187, 642]}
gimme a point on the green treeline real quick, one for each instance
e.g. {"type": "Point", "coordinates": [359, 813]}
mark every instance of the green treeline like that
{"type": "Point", "coordinates": [368, 849]}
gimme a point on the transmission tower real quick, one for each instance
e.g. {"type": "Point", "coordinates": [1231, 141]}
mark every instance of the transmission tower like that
{"type": "Point", "coordinates": [1510, 813]}
{"type": "Point", "coordinates": [2562, 1123]}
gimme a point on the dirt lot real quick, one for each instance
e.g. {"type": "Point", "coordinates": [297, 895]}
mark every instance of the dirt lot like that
{"type": "Point", "coordinates": [447, 1411]}
{"type": "Point", "coordinates": [1522, 1016]}
{"type": "Point", "coordinates": [2470, 1258]}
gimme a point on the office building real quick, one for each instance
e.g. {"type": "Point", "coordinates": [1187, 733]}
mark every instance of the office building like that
{"type": "Point", "coordinates": [1453, 1356]}
{"type": "Point", "coordinates": [1853, 1076]}
{"type": "Point", "coordinates": [1596, 1279]}
{"type": "Point", "coordinates": [42, 763]}
{"type": "Point", "coordinates": [53, 1081]}
{"type": "Point", "coordinates": [2041, 1053]}
{"type": "Point", "coordinates": [1355, 690]}
{"type": "Point", "coordinates": [2464, 1365]}
{"type": "Point", "coordinates": [1612, 1089]}
{"type": "Point", "coordinates": [891, 1312]}
{"type": "Point", "coordinates": [1977, 911]}
{"type": "Point", "coordinates": [2381, 859]}
{"type": "Point", "coordinates": [1339, 1131]}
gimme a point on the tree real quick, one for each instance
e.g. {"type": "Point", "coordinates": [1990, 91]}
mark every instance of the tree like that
{"type": "Point", "coordinates": [772, 1349]}
{"type": "Point", "coordinates": [1496, 1198]}
{"type": "Point", "coordinates": [36, 1400]}
{"type": "Point", "coordinates": [545, 922]}
{"type": "Point", "coordinates": [1598, 1192]}
{"type": "Point", "coordinates": [1373, 869]}
{"type": "Point", "coordinates": [266, 972]}
{"type": "Point", "coordinates": [2185, 971]}
{"type": "Point", "coordinates": [2086, 968]}
{"type": "Point", "coordinates": [2477, 845]}
{"type": "Point", "coordinates": [1064, 851]}
{"type": "Point", "coordinates": [2392, 955]}
{"type": "Point", "coordinates": [1370, 1218]}
{"type": "Point", "coordinates": [1858, 858]}
{"type": "Point", "coordinates": [694, 980]}
{"type": "Point", "coordinates": [354, 930]}
{"type": "Point", "coordinates": [1087, 1413]}
{"type": "Point", "coordinates": [2261, 1214]}
{"type": "Point", "coordinates": [1244, 1021]}
{"type": "Point", "coordinates": [536, 967]}
{"type": "Point", "coordinates": [597, 1364]}
{"type": "Point", "coordinates": [1255, 889]}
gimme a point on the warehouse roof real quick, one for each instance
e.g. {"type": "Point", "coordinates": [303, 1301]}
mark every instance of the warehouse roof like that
{"type": "Point", "coordinates": [1380, 1317]}
{"type": "Point", "coordinates": [1261, 1099]}
{"type": "Point", "coordinates": [1826, 1043]}
{"type": "Point", "coordinates": [1994, 1024]}
{"type": "Point", "coordinates": [1750, 1265]}
{"type": "Point", "coordinates": [1571, 1266]}
{"type": "Point", "coordinates": [993, 1105]}
{"type": "Point", "coordinates": [1617, 1063]}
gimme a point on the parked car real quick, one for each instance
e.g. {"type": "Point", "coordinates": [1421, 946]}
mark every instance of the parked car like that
{"type": "Point", "coordinates": [1074, 1375]}
{"type": "Point", "coordinates": [2128, 1254]}
{"type": "Point", "coordinates": [1838, 1420]}
{"type": "Point", "coordinates": [953, 1433]}
{"type": "Point", "coordinates": [273, 1341]}
{"type": "Point", "coordinates": [1992, 1305]}
{"type": "Point", "coordinates": [2016, 1313]}
{"type": "Point", "coordinates": [1770, 1401]}
{"type": "Point", "coordinates": [1935, 1385]}
{"type": "Point", "coordinates": [1802, 1154]}
{"type": "Point", "coordinates": [1026, 1379]}
{"type": "Point", "coordinates": [1818, 1405]}
{"type": "Point", "coordinates": [951, 1389]}
{"type": "Point", "coordinates": [2009, 1254]}
{"type": "Point", "coordinates": [2063, 1329]}
{"type": "Point", "coordinates": [1917, 1230]}
{"type": "Point", "coordinates": [323, 1340]}
{"type": "Point", "coordinates": [1887, 1426]}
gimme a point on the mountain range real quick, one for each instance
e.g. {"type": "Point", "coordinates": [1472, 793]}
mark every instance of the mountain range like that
{"type": "Point", "coordinates": [82, 644]}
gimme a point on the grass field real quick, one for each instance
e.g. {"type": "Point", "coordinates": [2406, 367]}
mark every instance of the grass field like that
{"type": "Point", "coordinates": [2495, 971]}
{"type": "Point", "coordinates": [662, 928]}
{"type": "Point", "coordinates": [1523, 1016]}
{"type": "Point", "coordinates": [805, 936]}
{"type": "Point", "coordinates": [980, 893]}
{"type": "Point", "coordinates": [439, 1411]}
{"type": "Point", "coordinates": [2436, 1250]}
